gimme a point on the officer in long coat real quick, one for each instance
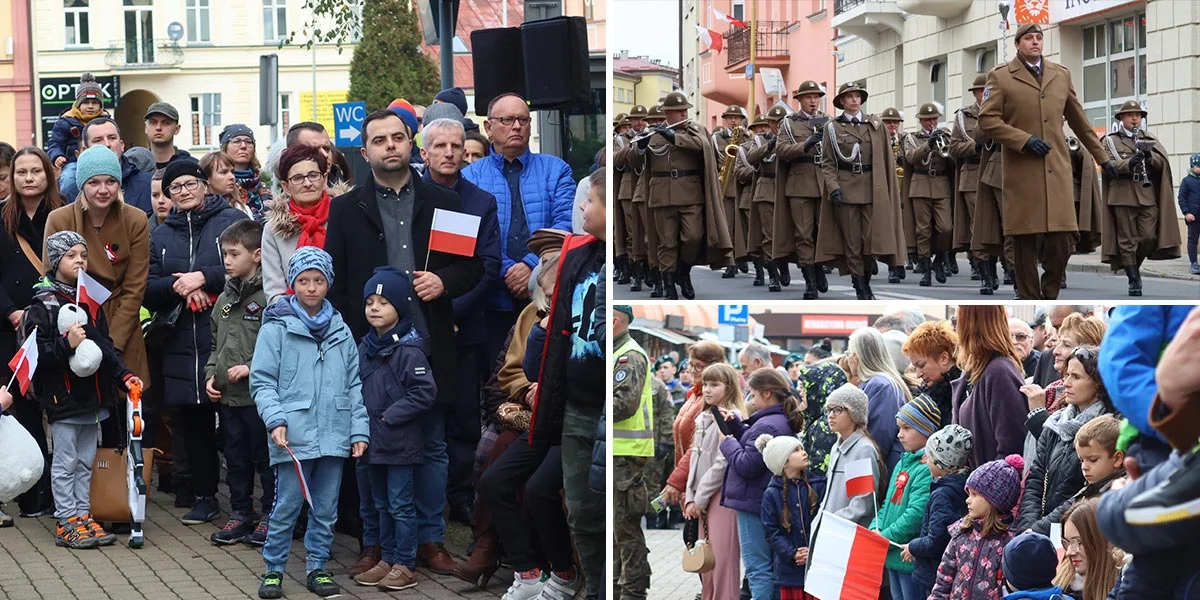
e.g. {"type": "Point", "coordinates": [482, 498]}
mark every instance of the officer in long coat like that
{"type": "Point", "coordinates": [624, 157]}
{"type": "Point", "coordinates": [746, 174]}
{"type": "Point", "coordinates": [646, 243]}
{"type": "Point", "coordinates": [1088, 203]}
{"type": "Point", "coordinates": [965, 149]}
{"type": "Point", "coordinates": [762, 204]}
{"type": "Point", "coordinates": [893, 120]}
{"type": "Point", "coordinates": [734, 122]}
{"type": "Point", "coordinates": [1023, 106]}
{"type": "Point", "coordinates": [798, 190]}
{"type": "Point", "coordinates": [930, 188]}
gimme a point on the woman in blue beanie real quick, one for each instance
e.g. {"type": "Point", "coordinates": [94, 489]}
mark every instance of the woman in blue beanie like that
{"type": "Point", "coordinates": [1189, 205]}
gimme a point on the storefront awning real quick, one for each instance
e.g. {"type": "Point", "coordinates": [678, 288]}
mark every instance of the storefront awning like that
{"type": "Point", "coordinates": [666, 335]}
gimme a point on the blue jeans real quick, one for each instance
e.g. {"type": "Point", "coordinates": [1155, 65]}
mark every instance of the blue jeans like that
{"type": "Point", "coordinates": [756, 555]}
{"type": "Point", "coordinates": [430, 489]}
{"type": "Point", "coordinates": [324, 477]}
{"type": "Point", "coordinates": [68, 174]}
{"type": "Point", "coordinates": [393, 488]}
{"type": "Point", "coordinates": [366, 505]}
{"type": "Point", "coordinates": [902, 586]}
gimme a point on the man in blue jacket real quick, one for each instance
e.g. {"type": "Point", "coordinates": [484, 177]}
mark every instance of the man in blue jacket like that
{"type": "Point", "coordinates": [533, 191]}
{"type": "Point", "coordinates": [444, 138]}
{"type": "Point", "coordinates": [135, 184]}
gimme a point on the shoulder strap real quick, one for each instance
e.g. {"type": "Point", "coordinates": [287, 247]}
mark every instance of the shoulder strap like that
{"type": "Point", "coordinates": [29, 253]}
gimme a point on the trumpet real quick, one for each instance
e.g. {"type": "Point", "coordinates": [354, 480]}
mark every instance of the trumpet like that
{"type": "Point", "coordinates": [941, 142]}
{"type": "Point", "coordinates": [1142, 170]}
{"type": "Point", "coordinates": [1072, 143]}
{"type": "Point", "coordinates": [896, 155]}
{"type": "Point", "coordinates": [731, 153]}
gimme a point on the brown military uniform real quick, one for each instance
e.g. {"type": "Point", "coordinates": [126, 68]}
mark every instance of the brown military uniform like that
{"type": "Point", "coordinates": [623, 152]}
{"type": "Point", "coordinates": [745, 175]}
{"type": "Point", "coordinates": [761, 155]}
{"type": "Point", "coordinates": [929, 194]}
{"type": "Point", "coordinates": [720, 139]}
{"type": "Point", "coordinates": [964, 149]}
{"type": "Point", "coordinates": [798, 195]}
{"type": "Point", "coordinates": [1140, 222]}
{"type": "Point", "coordinates": [1088, 204]}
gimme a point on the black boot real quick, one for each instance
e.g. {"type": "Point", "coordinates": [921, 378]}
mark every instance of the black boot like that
{"type": "Point", "coordinates": [785, 272]}
{"type": "Point", "coordinates": [941, 267]}
{"type": "Point", "coordinates": [623, 275]}
{"type": "Point", "coordinates": [952, 261]}
{"type": "Point", "coordinates": [668, 285]}
{"type": "Point", "coordinates": [683, 276]}
{"type": "Point", "coordinates": [743, 266]}
{"type": "Point", "coordinates": [638, 272]}
{"type": "Point", "coordinates": [758, 274]}
{"type": "Point", "coordinates": [926, 272]}
{"type": "Point", "coordinates": [987, 273]}
{"type": "Point", "coordinates": [911, 265]}
{"type": "Point", "coordinates": [974, 270]}
{"type": "Point", "coordinates": [810, 277]}
{"type": "Point", "coordinates": [1135, 288]}
{"type": "Point", "coordinates": [773, 284]}
{"type": "Point", "coordinates": [895, 274]}
{"type": "Point", "coordinates": [822, 278]}
{"type": "Point", "coordinates": [856, 281]}
{"type": "Point", "coordinates": [866, 284]}
{"type": "Point", "coordinates": [1008, 275]}
{"type": "Point", "coordinates": [657, 281]}
{"type": "Point", "coordinates": [730, 272]}
{"type": "Point", "coordinates": [1137, 273]}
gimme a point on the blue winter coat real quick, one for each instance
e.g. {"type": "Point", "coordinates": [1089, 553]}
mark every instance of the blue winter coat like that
{"type": "Point", "coordinates": [784, 542]}
{"type": "Point", "coordinates": [185, 242]}
{"type": "Point", "coordinates": [313, 388]}
{"type": "Point", "coordinates": [1136, 337]}
{"type": "Point", "coordinates": [65, 136]}
{"type": "Point", "coordinates": [135, 187]}
{"type": "Point", "coordinates": [747, 476]}
{"type": "Point", "coordinates": [1189, 195]}
{"type": "Point", "coordinates": [1050, 593]}
{"type": "Point", "coordinates": [884, 400]}
{"type": "Point", "coordinates": [547, 193]}
{"type": "Point", "coordinates": [397, 389]}
{"type": "Point", "coordinates": [947, 504]}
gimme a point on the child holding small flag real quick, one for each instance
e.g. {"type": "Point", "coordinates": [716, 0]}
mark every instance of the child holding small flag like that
{"type": "Point", "coordinates": [856, 468]}
{"type": "Point", "coordinates": [788, 508]}
{"type": "Point", "coordinates": [310, 398]}
{"type": "Point", "coordinates": [75, 400]}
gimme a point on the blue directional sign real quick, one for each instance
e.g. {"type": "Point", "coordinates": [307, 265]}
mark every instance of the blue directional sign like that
{"type": "Point", "coordinates": [347, 122]}
{"type": "Point", "coordinates": [733, 314]}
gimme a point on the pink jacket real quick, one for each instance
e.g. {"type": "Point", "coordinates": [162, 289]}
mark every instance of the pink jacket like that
{"type": "Point", "coordinates": [971, 566]}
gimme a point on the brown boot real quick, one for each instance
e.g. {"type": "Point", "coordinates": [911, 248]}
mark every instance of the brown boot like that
{"type": "Point", "coordinates": [369, 558]}
{"type": "Point", "coordinates": [482, 563]}
{"type": "Point", "coordinates": [434, 557]}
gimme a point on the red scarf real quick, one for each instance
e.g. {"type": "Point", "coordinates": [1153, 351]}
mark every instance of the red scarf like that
{"type": "Point", "coordinates": [313, 221]}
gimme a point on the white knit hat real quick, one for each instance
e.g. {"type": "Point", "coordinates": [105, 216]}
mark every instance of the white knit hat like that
{"type": "Point", "coordinates": [776, 450]}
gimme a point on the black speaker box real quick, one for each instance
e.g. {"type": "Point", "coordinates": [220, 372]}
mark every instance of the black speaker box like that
{"type": "Point", "coordinates": [556, 62]}
{"type": "Point", "coordinates": [499, 66]}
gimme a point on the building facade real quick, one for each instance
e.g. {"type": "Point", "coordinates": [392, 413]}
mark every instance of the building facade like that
{"type": "Point", "coordinates": [16, 74]}
{"type": "Point", "coordinates": [640, 80]}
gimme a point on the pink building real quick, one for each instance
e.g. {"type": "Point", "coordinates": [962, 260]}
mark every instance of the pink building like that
{"type": "Point", "coordinates": [795, 43]}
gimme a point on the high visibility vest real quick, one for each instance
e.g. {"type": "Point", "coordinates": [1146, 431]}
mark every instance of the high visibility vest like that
{"type": "Point", "coordinates": [635, 436]}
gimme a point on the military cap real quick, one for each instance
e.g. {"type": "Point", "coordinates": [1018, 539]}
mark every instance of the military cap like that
{"type": "Point", "coordinates": [655, 113]}
{"type": "Point", "coordinates": [776, 114]}
{"type": "Point", "coordinates": [676, 101]}
{"type": "Point", "coordinates": [759, 120]}
{"type": "Point", "coordinates": [849, 86]}
{"type": "Point", "coordinates": [734, 111]}
{"type": "Point", "coordinates": [624, 308]}
{"type": "Point", "coordinates": [808, 87]}
{"type": "Point", "coordinates": [891, 114]}
{"type": "Point", "coordinates": [619, 118]}
{"type": "Point", "coordinates": [1128, 107]}
{"type": "Point", "coordinates": [1027, 28]}
{"type": "Point", "coordinates": [637, 112]}
{"type": "Point", "coordinates": [929, 110]}
{"type": "Point", "coordinates": [979, 83]}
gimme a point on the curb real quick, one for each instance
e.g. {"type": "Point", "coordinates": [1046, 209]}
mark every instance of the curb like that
{"type": "Point", "coordinates": [1104, 269]}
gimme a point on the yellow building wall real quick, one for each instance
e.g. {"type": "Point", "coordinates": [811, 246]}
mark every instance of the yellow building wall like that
{"type": "Point", "coordinates": [652, 88]}
{"type": "Point", "coordinates": [623, 92]}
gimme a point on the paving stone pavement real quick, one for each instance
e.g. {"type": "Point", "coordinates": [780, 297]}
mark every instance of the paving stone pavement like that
{"type": "Point", "coordinates": [668, 580]}
{"type": "Point", "coordinates": [179, 562]}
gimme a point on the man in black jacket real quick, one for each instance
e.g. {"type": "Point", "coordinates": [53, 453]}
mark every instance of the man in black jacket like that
{"type": "Point", "coordinates": [387, 221]}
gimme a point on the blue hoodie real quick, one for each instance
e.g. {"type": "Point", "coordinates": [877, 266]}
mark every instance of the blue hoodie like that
{"type": "Point", "coordinates": [1050, 593]}
{"type": "Point", "coordinates": [947, 504]}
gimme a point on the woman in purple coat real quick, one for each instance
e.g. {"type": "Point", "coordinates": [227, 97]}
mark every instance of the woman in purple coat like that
{"type": "Point", "coordinates": [987, 399]}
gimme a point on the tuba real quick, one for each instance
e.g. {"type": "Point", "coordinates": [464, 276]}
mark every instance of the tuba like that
{"type": "Point", "coordinates": [731, 152]}
{"type": "Point", "coordinates": [898, 156]}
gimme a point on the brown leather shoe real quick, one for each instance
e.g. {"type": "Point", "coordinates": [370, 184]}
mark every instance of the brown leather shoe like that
{"type": "Point", "coordinates": [373, 575]}
{"type": "Point", "coordinates": [435, 558]}
{"type": "Point", "coordinates": [399, 578]}
{"type": "Point", "coordinates": [369, 558]}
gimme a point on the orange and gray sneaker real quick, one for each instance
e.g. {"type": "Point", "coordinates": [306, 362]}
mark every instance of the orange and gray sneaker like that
{"type": "Point", "coordinates": [103, 537]}
{"type": "Point", "coordinates": [75, 534]}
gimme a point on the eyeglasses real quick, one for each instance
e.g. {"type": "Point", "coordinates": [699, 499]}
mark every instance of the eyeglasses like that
{"type": "Point", "coordinates": [299, 178]}
{"type": "Point", "coordinates": [241, 141]}
{"type": "Point", "coordinates": [1019, 337]}
{"type": "Point", "coordinates": [191, 186]}
{"type": "Point", "coordinates": [1072, 543]}
{"type": "Point", "coordinates": [508, 121]}
{"type": "Point", "coordinates": [833, 411]}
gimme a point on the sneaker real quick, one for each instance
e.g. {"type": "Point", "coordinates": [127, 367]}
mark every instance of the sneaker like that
{"type": "Point", "coordinates": [321, 583]}
{"type": "Point", "coordinates": [1195, 270]}
{"type": "Point", "coordinates": [558, 588]}
{"type": "Point", "coordinates": [74, 534]}
{"type": "Point", "coordinates": [526, 585]}
{"type": "Point", "coordinates": [399, 578]}
{"type": "Point", "coordinates": [103, 538]}
{"type": "Point", "coordinates": [1175, 499]}
{"type": "Point", "coordinates": [259, 536]}
{"type": "Point", "coordinates": [41, 512]}
{"type": "Point", "coordinates": [204, 510]}
{"type": "Point", "coordinates": [234, 531]}
{"type": "Point", "coordinates": [374, 575]}
{"type": "Point", "coordinates": [5, 520]}
{"type": "Point", "coordinates": [271, 586]}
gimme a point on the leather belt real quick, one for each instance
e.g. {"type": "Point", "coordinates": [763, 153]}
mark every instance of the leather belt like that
{"type": "Point", "coordinates": [676, 173]}
{"type": "Point", "coordinates": [929, 173]}
{"type": "Point", "coordinates": [854, 168]}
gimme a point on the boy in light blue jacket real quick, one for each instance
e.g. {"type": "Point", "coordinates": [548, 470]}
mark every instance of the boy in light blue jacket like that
{"type": "Point", "coordinates": [310, 398]}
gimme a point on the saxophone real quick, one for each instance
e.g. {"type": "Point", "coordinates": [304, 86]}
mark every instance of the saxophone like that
{"type": "Point", "coordinates": [731, 152]}
{"type": "Point", "coordinates": [899, 157]}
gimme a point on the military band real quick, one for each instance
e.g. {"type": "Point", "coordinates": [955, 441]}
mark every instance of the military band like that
{"type": "Point", "coordinates": [928, 188]}
{"type": "Point", "coordinates": [731, 135]}
{"type": "Point", "coordinates": [798, 196]}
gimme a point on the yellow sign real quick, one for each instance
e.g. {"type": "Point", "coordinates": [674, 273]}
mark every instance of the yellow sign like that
{"type": "Point", "coordinates": [325, 102]}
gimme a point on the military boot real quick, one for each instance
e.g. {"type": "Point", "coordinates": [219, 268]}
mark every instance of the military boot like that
{"type": "Point", "coordinates": [773, 272]}
{"type": "Point", "coordinates": [926, 273]}
{"type": "Point", "coordinates": [668, 286]}
{"type": "Point", "coordinates": [758, 273]}
{"type": "Point", "coordinates": [785, 272]}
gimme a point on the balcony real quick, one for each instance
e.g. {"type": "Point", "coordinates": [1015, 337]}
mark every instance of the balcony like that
{"type": "Point", "coordinates": [937, 8]}
{"type": "Point", "coordinates": [868, 18]}
{"type": "Point", "coordinates": [143, 54]}
{"type": "Point", "coordinates": [771, 46]}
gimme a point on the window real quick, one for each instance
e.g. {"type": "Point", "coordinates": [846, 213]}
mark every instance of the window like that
{"type": "Point", "coordinates": [1114, 66]}
{"type": "Point", "coordinates": [76, 16]}
{"type": "Point", "coordinates": [739, 10]}
{"type": "Point", "coordinates": [285, 112]}
{"type": "Point", "coordinates": [937, 82]}
{"type": "Point", "coordinates": [197, 21]}
{"type": "Point", "coordinates": [206, 119]}
{"type": "Point", "coordinates": [274, 20]}
{"type": "Point", "coordinates": [985, 61]}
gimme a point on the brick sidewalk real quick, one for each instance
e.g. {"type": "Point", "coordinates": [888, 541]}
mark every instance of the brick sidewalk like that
{"type": "Point", "coordinates": [668, 580]}
{"type": "Point", "coordinates": [179, 561]}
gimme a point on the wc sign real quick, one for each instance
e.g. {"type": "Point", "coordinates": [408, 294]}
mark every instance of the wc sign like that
{"type": "Point", "coordinates": [57, 94]}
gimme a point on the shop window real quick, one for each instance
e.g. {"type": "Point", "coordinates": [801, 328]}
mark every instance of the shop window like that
{"type": "Point", "coordinates": [1114, 66]}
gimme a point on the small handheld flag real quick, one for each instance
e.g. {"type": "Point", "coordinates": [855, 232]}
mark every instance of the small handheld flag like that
{"type": "Point", "coordinates": [24, 363]}
{"type": "Point", "coordinates": [860, 479]}
{"type": "Point", "coordinates": [300, 475]}
{"type": "Point", "coordinates": [89, 292]}
{"type": "Point", "coordinates": [838, 545]}
{"type": "Point", "coordinates": [453, 232]}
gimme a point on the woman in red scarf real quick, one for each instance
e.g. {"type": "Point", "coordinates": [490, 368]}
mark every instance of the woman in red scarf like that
{"type": "Point", "coordinates": [297, 218]}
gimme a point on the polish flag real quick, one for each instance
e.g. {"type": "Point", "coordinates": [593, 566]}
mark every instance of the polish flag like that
{"type": "Point", "coordinates": [89, 292]}
{"type": "Point", "coordinates": [838, 545]}
{"type": "Point", "coordinates": [453, 232]}
{"type": "Point", "coordinates": [728, 19]}
{"type": "Point", "coordinates": [711, 39]}
{"type": "Point", "coordinates": [24, 362]}
{"type": "Point", "coordinates": [859, 478]}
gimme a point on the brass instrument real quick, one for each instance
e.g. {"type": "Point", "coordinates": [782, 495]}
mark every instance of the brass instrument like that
{"type": "Point", "coordinates": [941, 142]}
{"type": "Point", "coordinates": [898, 156]}
{"type": "Point", "coordinates": [731, 153]}
{"type": "Point", "coordinates": [1144, 147]}
{"type": "Point", "coordinates": [1072, 143]}
{"type": "Point", "coordinates": [653, 130]}
{"type": "Point", "coordinates": [818, 125]}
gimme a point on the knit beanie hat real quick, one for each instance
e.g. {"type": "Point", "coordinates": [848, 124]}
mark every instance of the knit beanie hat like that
{"type": "Point", "coordinates": [58, 244]}
{"type": "Point", "coordinates": [97, 160]}
{"type": "Point", "coordinates": [306, 258]}
{"type": "Point", "coordinates": [392, 284]}
{"type": "Point", "coordinates": [776, 450]}
{"type": "Point", "coordinates": [89, 89]}
{"type": "Point", "coordinates": [179, 168]}
{"type": "Point", "coordinates": [1030, 562]}
{"type": "Point", "coordinates": [455, 96]}
{"type": "Point", "coordinates": [233, 131]}
{"type": "Point", "coordinates": [442, 110]}
{"type": "Point", "coordinates": [852, 399]}
{"type": "Point", "coordinates": [921, 414]}
{"type": "Point", "coordinates": [406, 112]}
{"type": "Point", "coordinates": [1195, 160]}
{"type": "Point", "coordinates": [999, 482]}
{"type": "Point", "coordinates": [949, 448]}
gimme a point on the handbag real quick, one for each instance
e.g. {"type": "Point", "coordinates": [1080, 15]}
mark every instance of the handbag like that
{"type": "Point", "coordinates": [109, 492]}
{"type": "Point", "coordinates": [699, 557]}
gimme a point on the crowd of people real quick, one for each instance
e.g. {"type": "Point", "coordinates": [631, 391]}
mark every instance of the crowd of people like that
{"type": "Point", "coordinates": [395, 378]}
{"type": "Point", "coordinates": [1052, 459]}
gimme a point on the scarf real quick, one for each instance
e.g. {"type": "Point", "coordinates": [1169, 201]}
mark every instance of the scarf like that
{"type": "Point", "coordinates": [313, 221]}
{"type": "Point", "coordinates": [1067, 421]}
{"type": "Point", "coordinates": [62, 288]}
{"type": "Point", "coordinates": [250, 181]}
{"type": "Point", "coordinates": [319, 324]}
{"type": "Point", "coordinates": [373, 343]}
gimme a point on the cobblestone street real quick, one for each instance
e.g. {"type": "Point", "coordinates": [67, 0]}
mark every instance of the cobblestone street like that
{"type": "Point", "coordinates": [668, 580]}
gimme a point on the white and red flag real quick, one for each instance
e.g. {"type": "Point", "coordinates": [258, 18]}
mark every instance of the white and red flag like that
{"type": "Point", "coordinates": [847, 561]}
{"type": "Point", "coordinates": [453, 232]}
{"type": "Point", "coordinates": [89, 292]}
{"type": "Point", "coordinates": [711, 39]}
{"type": "Point", "coordinates": [860, 479]}
{"type": "Point", "coordinates": [24, 362]}
{"type": "Point", "coordinates": [728, 19]}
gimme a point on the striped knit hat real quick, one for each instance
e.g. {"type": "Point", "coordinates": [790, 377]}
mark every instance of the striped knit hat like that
{"type": "Point", "coordinates": [921, 414]}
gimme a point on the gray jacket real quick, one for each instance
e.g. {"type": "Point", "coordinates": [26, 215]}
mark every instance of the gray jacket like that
{"type": "Point", "coordinates": [706, 473]}
{"type": "Point", "coordinates": [860, 509]}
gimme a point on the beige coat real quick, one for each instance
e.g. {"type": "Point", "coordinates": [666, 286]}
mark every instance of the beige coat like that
{"type": "Point", "coordinates": [1168, 228]}
{"type": "Point", "coordinates": [1037, 190]}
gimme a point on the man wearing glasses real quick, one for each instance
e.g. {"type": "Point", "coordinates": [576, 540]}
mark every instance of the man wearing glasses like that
{"type": "Point", "coordinates": [1022, 337]}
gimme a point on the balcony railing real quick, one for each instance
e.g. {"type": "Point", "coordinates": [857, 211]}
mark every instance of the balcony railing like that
{"type": "Point", "coordinates": [771, 43]}
{"type": "Point", "coordinates": [841, 6]}
{"type": "Point", "coordinates": [143, 53]}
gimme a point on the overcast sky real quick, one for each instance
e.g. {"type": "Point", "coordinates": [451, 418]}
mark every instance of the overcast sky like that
{"type": "Point", "coordinates": [656, 33]}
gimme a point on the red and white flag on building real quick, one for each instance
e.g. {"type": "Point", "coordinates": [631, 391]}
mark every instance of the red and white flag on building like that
{"type": "Point", "coordinates": [711, 39]}
{"type": "Point", "coordinates": [847, 561]}
{"type": "Point", "coordinates": [860, 479]}
{"type": "Point", "coordinates": [24, 363]}
{"type": "Point", "coordinates": [453, 232]}
{"type": "Point", "coordinates": [728, 19]}
{"type": "Point", "coordinates": [89, 292]}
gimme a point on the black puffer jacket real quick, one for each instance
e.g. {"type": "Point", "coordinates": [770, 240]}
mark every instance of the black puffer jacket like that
{"type": "Point", "coordinates": [1055, 477]}
{"type": "Point", "coordinates": [186, 242]}
{"type": "Point", "coordinates": [942, 394]}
